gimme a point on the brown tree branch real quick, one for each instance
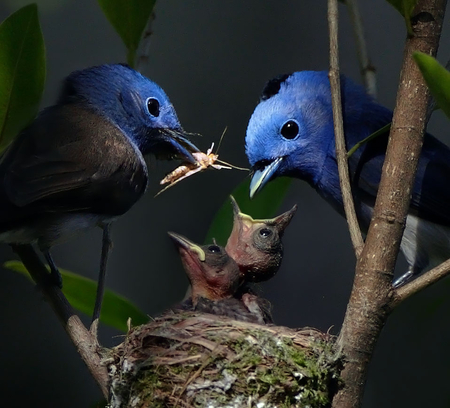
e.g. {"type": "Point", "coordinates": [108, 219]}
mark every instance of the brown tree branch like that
{"type": "Point", "coordinates": [365, 65]}
{"type": "Point", "coordinates": [420, 283]}
{"type": "Point", "coordinates": [341, 150]}
{"type": "Point", "coordinates": [85, 343]}
{"type": "Point", "coordinates": [372, 292]}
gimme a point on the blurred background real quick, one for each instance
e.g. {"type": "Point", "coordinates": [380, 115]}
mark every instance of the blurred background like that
{"type": "Point", "coordinates": [213, 59]}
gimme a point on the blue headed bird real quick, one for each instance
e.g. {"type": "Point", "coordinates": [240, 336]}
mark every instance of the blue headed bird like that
{"type": "Point", "coordinates": [291, 134]}
{"type": "Point", "coordinates": [80, 163]}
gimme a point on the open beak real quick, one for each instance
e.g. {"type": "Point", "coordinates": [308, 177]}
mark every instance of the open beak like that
{"type": "Point", "coordinates": [243, 220]}
{"type": "Point", "coordinates": [184, 245]}
{"type": "Point", "coordinates": [262, 176]}
{"type": "Point", "coordinates": [173, 144]}
{"type": "Point", "coordinates": [239, 218]}
{"type": "Point", "coordinates": [283, 220]}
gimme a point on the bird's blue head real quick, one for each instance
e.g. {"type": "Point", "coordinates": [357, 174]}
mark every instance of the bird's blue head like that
{"type": "Point", "coordinates": [291, 130]}
{"type": "Point", "coordinates": [138, 106]}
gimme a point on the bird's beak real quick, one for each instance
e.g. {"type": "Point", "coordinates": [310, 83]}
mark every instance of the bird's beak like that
{"type": "Point", "coordinates": [241, 224]}
{"type": "Point", "coordinates": [173, 143]}
{"type": "Point", "coordinates": [261, 177]}
{"type": "Point", "coordinates": [283, 220]}
{"type": "Point", "coordinates": [184, 245]}
{"type": "Point", "coordinates": [240, 219]}
{"type": "Point", "coordinates": [243, 227]}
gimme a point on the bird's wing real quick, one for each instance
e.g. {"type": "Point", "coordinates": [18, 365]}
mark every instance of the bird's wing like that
{"type": "Point", "coordinates": [365, 167]}
{"type": "Point", "coordinates": [431, 195]}
{"type": "Point", "coordinates": [430, 199]}
{"type": "Point", "coordinates": [72, 159]}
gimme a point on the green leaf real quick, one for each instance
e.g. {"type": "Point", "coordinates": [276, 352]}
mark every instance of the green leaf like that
{"type": "Point", "coordinates": [81, 292]}
{"type": "Point", "coordinates": [264, 205]}
{"type": "Point", "coordinates": [22, 71]}
{"type": "Point", "coordinates": [129, 18]}
{"type": "Point", "coordinates": [437, 79]}
{"type": "Point", "coordinates": [405, 8]}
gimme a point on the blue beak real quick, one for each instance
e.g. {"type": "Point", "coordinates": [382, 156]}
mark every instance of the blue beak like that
{"type": "Point", "coordinates": [261, 177]}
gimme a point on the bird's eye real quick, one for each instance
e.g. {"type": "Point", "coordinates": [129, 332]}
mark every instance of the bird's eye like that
{"type": "Point", "coordinates": [265, 232]}
{"type": "Point", "coordinates": [214, 249]}
{"type": "Point", "coordinates": [290, 130]}
{"type": "Point", "coordinates": [153, 107]}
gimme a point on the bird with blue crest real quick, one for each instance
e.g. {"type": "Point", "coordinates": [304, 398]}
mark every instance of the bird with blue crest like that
{"type": "Point", "coordinates": [80, 163]}
{"type": "Point", "coordinates": [290, 133]}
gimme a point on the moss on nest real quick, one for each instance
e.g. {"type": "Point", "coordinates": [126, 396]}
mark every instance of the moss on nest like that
{"type": "Point", "coordinates": [200, 360]}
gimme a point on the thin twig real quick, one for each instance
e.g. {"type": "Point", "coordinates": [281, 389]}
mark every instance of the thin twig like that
{"type": "Point", "coordinates": [341, 151]}
{"type": "Point", "coordinates": [209, 359]}
{"type": "Point", "coordinates": [85, 343]}
{"type": "Point", "coordinates": [143, 50]}
{"type": "Point", "coordinates": [365, 65]}
{"type": "Point", "coordinates": [420, 283]}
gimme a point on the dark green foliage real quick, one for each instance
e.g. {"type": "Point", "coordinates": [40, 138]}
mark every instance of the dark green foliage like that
{"type": "Point", "coordinates": [263, 206]}
{"type": "Point", "coordinates": [22, 72]}
{"type": "Point", "coordinates": [405, 8]}
{"type": "Point", "coordinates": [81, 291]}
{"type": "Point", "coordinates": [129, 18]}
{"type": "Point", "coordinates": [437, 79]}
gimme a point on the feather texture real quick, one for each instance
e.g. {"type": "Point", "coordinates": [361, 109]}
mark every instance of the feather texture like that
{"type": "Point", "coordinates": [291, 134]}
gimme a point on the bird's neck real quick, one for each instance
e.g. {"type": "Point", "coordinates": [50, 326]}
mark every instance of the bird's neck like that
{"type": "Point", "coordinates": [207, 292]}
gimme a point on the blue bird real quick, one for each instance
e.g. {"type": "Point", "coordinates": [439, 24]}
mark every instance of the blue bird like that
{"type": "Point", "coordinates": [80, 163]}
{"type": "Point", "coordinates": [291, 134]}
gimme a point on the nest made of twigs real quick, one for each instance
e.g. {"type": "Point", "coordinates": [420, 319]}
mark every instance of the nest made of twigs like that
{"type": "Point", "coordinates": [201, 360]}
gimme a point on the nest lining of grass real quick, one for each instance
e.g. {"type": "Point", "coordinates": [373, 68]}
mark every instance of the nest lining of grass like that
{"type": "Point", "coordinates": [200, 360]}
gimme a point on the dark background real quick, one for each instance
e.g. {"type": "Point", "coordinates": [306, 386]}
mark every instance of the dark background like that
{"type": "Point", "coordinates": [213, 58]}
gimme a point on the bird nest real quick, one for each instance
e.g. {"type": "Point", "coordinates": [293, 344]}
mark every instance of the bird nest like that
{"type": "Point", "coordinates": [200, 360]}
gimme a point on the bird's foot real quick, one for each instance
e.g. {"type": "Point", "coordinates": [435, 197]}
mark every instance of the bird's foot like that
{"type": "Point", "coordinates": [94, 330]}
{"type": "Point", "coordinates": [56, 278]}
{"type": "Point", "coordinates": [55, 275]}
{"type": "Point", "coordinates": [405, 278]}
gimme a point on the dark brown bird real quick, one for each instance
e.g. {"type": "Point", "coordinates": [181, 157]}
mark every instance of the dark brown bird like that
{"type": "Point", "coordinates": [256, 245]}
{"type": "Point", "coordinates": [215, 279]}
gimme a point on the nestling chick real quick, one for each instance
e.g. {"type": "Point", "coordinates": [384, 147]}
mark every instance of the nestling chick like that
{"type": "Point", "coordinates": [215, 278]}
{"type": "Point", "coordinates": [256, 245]}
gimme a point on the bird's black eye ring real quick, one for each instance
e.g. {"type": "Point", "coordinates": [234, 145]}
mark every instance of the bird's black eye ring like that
{"type": "Point", "coordinates": [214, 249]}
{"type": "Point", "coordinates": [265, 232]}
{"type": "Point", "coordinates": [153, 107]}
{"type": "Point", "coordinates": [290, 130]}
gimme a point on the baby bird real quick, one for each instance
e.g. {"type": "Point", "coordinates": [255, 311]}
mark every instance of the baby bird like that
{"type": "Point", "coordinates": [215, 278]}
{"type": "Point", "coordinates": [256, 245]}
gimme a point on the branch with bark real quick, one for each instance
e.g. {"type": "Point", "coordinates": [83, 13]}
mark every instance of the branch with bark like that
{"type": "Point", "coordinates": [341, 150]}
{"type": "Point", "coordinates": [84, 341]}
{"type": "Point", "coordinates": [365, 65]}
{"type": "Point", "coordinates": [184, 348]}
{"type": "Point", "coordinates": [372, 293]}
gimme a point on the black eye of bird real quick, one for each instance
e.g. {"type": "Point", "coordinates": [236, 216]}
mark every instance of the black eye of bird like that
{"type": "Point", "coordinates": [265, 232]}
{"type": "Point", "coordinates": [214, 249]}
{"type": "Point", "coordinates": [153, 107]}
{"type": "Point", "coordinates": [289, 130]}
